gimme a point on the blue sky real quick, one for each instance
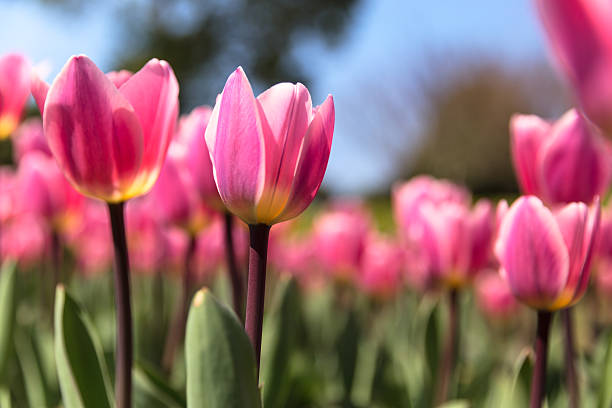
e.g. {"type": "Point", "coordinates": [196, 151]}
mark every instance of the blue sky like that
{"type": "Point", "coordinates": [383, 33]}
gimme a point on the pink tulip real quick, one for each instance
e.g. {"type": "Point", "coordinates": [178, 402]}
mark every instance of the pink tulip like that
{"type": "Point", "coordinates": [494, 297]}
{"type": "Point", "coordinates": [382, 268]}
{"type": "Point", "coordinates": [43, 191]}
{"type": "Point", "coordinates": [91, 242]}
{"type": "Point", "coordinates": [197, 159]}
{"type": "Point", "coordinates": [24, 238]}
{"type": "Point", "coordinates": [269, 153]}
{"type": "Point", "coordinates": [14, 91]}
{"type": "Point", "coordinates": [29, 136]}
{"type": "Point", "coordinates": [545, 257]}
{"type": "Point", "coordinates": [109, 142]}
{"type": "Point", "coordinates": [8, 193]}
{"type": "Point", "coordinates": [445, 238]}
{"type": "Point", "coordinates": [339, 236]}
{"type": "Point", "coordinates": [580, 33]}
{"type": "Point", "coordinates": [145, 237]}
{"type": "Point", "coordinates": [174, 198]}
{"type": "Point", "coordinates": [560, 163]}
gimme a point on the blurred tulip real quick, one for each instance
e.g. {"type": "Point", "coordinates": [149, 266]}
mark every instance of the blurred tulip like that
{"type": "Point", "coordinates": [109, 142]}
{"type": "Point", "coordinates": [190, 134]}
{"type": "Point", "coordinates": [174, 198]}
{"type": "Point", "coordinates": [444, 237]}
{"type": "Point", "coordinates": [580, 32]}
{"type": "Point", "coordinates": [381, 268]}
{"type": "Point", "coordinates": [43, 191]}
{"type": "Point", "coordinates": [269, 153]}
{"type": "Point", "coordinates": [29, 136]}
{"type": "Point", "coordinates": [339, 236]}
{"type": "Point", "coordinates": [546, 257]}
{"type": "Point", "coordinates": [91, 242]}
{"type": "Point", "coordinates": [494, 297]}
{"type": "Point", "coordinates": [8, 193]}
{"type": "Point", "coordinates": [24, 238]}
{"type": "Point", "coordinates": [565, 162]}
{"type": "Point", "coordinates": [14, 91]}
{"type": "Point", "coordinates": [146, 239]}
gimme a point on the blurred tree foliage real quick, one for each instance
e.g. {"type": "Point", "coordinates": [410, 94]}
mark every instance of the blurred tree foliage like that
{"type": "Point", "coordinates": [206, 40]}
{"type": "Point", "coordinates": [467, 113]}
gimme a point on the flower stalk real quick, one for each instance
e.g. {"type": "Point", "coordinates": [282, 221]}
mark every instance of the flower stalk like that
{"type": "Point", "coordinates": [538, 380]}
{"type": "Point", "coordinates": [256, 287]}
{"type": "Point", "coordinates": [232, 266]}
{"type": "Point", "coordinates": [124, 354]}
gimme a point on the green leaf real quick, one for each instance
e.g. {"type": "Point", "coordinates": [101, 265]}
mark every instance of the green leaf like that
{"type": "Point", "coordinates": [432, 343]}
{"type": "Point", "coordinates": [151, 391]}
{"type": "Point", "coordinates": [7, 312]}
{"type": "Point", "coordinates": [521, 384]}
{"type": "Point", "coordinates": [281, 330]}
{"type": "Point", "coordinates": [605, 387]}
{"type": "Point", "coordinates": [220, 360]}
{"type": "Point", "coordinates": [5, 397]}
{"type": "Point", "coordinates": [82, 373]}
{"type": "Point", "coordinates": [455, 404]}
{"type": "Point", "coordinates": [32, 375]}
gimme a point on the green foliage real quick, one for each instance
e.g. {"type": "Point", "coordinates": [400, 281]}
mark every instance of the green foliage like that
{"type": "Point", "coordinates": [7, 313]}
{"type": "Point", "coordinates": [605, 387]}
{"type": "Point", "coordinates": [221, 369]}
{"type": "Point", "coordinates": [82, 372]}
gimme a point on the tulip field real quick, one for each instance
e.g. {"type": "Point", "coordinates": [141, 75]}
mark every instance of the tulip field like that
{"type": "Point", "coordinates": [153, 256]}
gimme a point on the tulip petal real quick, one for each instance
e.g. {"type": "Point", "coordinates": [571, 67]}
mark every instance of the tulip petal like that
{"type": "Point", "coordinates": [39, 89]}
{"type": "Point", "coordinates": [314, 155]}
{"type": "Point", "coordinates": [287, 109]}
{"type": "Point", "coordinates": [234, 137]}
{"type": "Point", "coordinates": [118, 78]}
{"type": "Point", "coordinates": [533, 253]}
{"type": "Point", "coordinates": [92, 131]}
{"type": "Point", "coordinates": [574, 163]}
{"type": "Point", "coordinates": [527, 133]}
{"type": "Point", "coordinates": [153, 93]}
{"type": "Point", "coordinates": [14, 84]}
{"type": "Point", "coordinates": [481, 224]}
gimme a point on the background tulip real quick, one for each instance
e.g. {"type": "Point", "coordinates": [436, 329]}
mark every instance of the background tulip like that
{"type": "Point", "coordinates": [29, 136]}
{"type": "Point", "coordinates": [494, 297]}
{"type": "Point", "coordinates": [381, 268]}
{"type": "Point", "coordinates": [14, 91]}
{"type": "Point", "coordinates": [560, 163]}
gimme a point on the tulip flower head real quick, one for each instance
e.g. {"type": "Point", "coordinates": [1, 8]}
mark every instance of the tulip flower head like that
{"type": "Point", "coordinates": [580, 32]}
{"type": "Point", "coordinates": [44, 191]}
{"type": "Point", "coordinates": [110, 142]}
{"type": "Point", "coordinates": [269, 153]}
{"type": "Point", "coordinates": [28, 137]}
{"type": "Point", "coordinates": [444, 236]}
{"type": "Point", "coordinates": [544, 256]}
{"type": "Point", "coordinates": [382, 268]}
{"type": "Point", "coordinates": [494, 297]}
{"type": "Point", "coordinates": [567, 161]}
{"type": "Point", "coordinates": [14, 91]}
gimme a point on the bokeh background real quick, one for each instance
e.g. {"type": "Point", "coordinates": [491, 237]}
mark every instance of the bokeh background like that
{"type": "Point", "coordinates": [420, 87]}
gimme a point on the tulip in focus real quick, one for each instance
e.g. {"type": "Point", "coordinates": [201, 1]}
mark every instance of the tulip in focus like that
{"type": "Point", "coordinates": [580, 33]}
{"type": "Point", "coordinates": [269, 156]}
{"type": "Point", "coordinates": [109, 141]}
{"type": "Point", "coordinates": [14, 91]}
{"type": "Point", "coordinates": [566, 161]}
{"type": "Point", "coordinates": [269, 153]}
{"type": "Point", "coordinates": [545, 256]}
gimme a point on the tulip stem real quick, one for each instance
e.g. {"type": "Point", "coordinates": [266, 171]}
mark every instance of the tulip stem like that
{"type": "Point", "coordinates": [179, 321]}
{"type": "Point", "coordinates": [450, 348]}
{"type": "Point", "coordinates": [570, 355]}
{"type": "Point", "coordinates": [232, 266]}
{"type": "Point", "coordinates": [124, 353]}
{"type": "Point", "coordinates": [256, 285]}
{"type": "Point", "coordinates": [538, 379]}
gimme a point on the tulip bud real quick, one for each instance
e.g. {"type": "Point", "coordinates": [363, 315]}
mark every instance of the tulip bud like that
{"type": "Point", "coordinates": [14, 91]}
{"type": "Point", "coordinates": [546, 257]}
{"type": "Point", "coordinates": [269, 153]}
